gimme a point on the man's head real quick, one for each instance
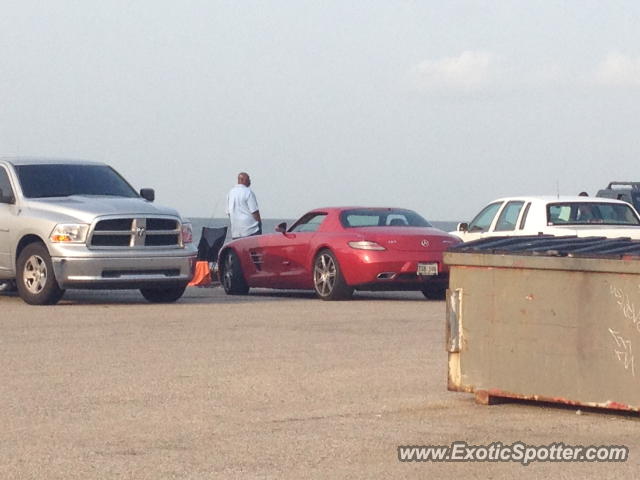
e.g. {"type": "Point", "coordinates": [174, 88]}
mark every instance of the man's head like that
{"type": "Point", "coordinates": [243, 179]}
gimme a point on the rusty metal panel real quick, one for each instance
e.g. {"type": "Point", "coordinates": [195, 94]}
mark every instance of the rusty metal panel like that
{"type": "Point", "coordinates": [543, 327]}
{"type": "Point", "coordinates": [454, 306]}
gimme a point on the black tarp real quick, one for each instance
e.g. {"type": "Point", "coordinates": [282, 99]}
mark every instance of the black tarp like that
{"type": "Point", "coordinates": [211, 242]}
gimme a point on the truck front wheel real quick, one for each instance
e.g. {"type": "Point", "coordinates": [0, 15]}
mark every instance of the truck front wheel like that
{"type": "Point", "coordinates": [36, 281]}
{"type": "Point", "coordinates": [163, 295]}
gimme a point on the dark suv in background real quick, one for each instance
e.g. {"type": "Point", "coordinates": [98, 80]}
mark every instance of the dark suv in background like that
{"type": "Point", "coordinates": [626, 191]}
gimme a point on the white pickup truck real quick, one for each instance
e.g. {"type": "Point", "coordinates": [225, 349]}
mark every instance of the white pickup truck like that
{"type": "Point", "coordinates": [75, 224]}
{"type": "Point", "coordinates": [560, 216]}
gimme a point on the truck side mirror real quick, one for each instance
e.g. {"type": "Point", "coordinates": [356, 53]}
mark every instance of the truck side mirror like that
{"type": "Point", "coordinates": [463, 227]}
{"type": "Point", "coordinates": [282, 227]}
{"type": "Point", "coordinates": [148, 194]}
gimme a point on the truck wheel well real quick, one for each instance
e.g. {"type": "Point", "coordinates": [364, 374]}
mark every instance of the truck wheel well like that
{"type": "Point", "coordinates": [27, 240]}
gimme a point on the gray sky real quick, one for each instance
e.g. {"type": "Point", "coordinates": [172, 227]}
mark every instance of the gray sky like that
{"type": "Point", "coordinates": [439, 106]}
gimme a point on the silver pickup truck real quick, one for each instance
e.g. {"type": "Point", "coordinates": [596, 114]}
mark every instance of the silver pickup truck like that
{"type": "Point", "coordinates": [75, 224]}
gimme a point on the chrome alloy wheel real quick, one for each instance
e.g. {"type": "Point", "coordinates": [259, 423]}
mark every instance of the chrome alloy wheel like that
{"type": "Point", "coordinates": [324, 274]}
{"type": "Point", "coordinates": [35, 274]}
{"type": "Point", "coordinates": [232, 277]}
{"type": "Point", "coordinates": [227, 276]}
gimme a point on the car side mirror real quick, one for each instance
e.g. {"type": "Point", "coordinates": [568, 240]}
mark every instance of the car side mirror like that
{"type": "Point", "coordinates": [148, 194]}
{"type": "Point", "coordinates": [8, 199]}
{"type": "Point", "coordinates": [282, 227]}
{"type": "Point", "coordinates": [463, 227]}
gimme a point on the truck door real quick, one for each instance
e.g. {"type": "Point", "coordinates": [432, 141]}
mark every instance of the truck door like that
{"type": "Point", "coordinates": [6, 213]}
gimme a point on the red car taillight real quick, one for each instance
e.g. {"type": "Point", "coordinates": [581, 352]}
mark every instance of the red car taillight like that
{"type": "Point", "coordinates": [366, 245]}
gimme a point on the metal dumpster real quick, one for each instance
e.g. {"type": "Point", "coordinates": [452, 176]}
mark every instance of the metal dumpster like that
{"type": "Point", "coordinates": [554, 319]}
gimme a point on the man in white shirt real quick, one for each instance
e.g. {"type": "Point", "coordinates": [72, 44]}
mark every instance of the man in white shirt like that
{"type": "Point", "coordinates": [242, 208]}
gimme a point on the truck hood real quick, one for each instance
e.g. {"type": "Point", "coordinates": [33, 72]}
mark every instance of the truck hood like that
{"type": "Point", "coordinates": [85, 208]}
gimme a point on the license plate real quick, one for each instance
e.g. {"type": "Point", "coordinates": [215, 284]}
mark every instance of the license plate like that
{"type": "Point", "coordinates": [427, 269]}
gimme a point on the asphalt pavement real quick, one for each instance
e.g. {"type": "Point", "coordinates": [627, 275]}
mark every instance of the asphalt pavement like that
{"type": "Point", "coordinates": [271, 385]}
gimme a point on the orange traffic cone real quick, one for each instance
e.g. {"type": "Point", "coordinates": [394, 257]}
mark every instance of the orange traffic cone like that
{"type": "Point", "coordinates": [201, 275]}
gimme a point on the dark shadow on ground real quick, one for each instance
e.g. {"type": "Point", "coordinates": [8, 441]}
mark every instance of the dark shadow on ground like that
{"type": "Point", "coordinates": [357, 296]}
{"type": "Point", "coordinates": [497, 402]}
{"type": "Point", "coordinates": [215, 295]}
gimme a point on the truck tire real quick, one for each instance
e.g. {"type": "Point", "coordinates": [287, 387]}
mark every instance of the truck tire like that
{"type": "Point", "coordinates": [36, 282]}
{"type": "Point", "coordinates": [163, 295]}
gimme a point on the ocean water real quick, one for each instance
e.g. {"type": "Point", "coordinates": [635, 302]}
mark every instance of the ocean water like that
{"type": "Point", "coordinates": [269, 225]}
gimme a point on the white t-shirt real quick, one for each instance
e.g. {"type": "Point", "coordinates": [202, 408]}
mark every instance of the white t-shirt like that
{"type": "Point", "coordinates": [241, 204]}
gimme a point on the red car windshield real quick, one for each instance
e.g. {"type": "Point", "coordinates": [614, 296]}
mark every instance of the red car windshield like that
{"type": "Point", "coordinates": [388, 217]}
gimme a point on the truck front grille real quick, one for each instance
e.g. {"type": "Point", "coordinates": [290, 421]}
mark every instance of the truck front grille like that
{"type": "Point", "coordinates": [136, 232]}
{"type": "Point", "coordinates": [114, 225]}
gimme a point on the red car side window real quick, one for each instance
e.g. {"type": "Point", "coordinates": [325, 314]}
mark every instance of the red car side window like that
{"type": "Point", "coordinates": [309, 223]}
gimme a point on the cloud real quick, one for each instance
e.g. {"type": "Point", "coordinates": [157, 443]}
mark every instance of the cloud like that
{"type": "Point", "coordinates": [470, 71]}
{"type": "Point", "coordinates": [619, 70]}
{"type": "Point", "coordinates": [483, 72]}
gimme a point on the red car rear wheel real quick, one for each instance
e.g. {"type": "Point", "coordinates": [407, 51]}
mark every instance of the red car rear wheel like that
{"type": "Point", "coordinates": [328, 281]}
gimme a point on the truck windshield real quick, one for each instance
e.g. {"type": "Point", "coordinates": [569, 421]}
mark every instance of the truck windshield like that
{"type": "Point", "coordinates": [64, 180]}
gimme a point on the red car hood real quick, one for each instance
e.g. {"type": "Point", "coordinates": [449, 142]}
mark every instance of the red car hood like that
{"type": "Point", "coordinates": [414, 239]}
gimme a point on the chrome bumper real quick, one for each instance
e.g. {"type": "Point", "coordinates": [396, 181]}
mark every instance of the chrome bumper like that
{"type": "Point", "coordinates": [121, 272]}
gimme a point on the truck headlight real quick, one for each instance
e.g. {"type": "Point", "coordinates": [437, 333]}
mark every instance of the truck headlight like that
{"type": "Point", "coordinates": [187, 233]}
{"type": "Point", "coordinates": [69, 233]}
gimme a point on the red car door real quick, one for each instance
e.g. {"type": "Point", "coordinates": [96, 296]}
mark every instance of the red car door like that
{"type": "Point", "coordinates": [293, 250]}
{"type": "Point", "coordinates": [295, 263]}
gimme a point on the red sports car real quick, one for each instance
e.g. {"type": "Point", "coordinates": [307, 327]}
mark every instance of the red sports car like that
{"type": "Point", "coordinates": [335, 251]}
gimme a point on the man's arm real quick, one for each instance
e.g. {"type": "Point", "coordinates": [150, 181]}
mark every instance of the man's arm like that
{"type": "Point", "coordinates": [252, 203]}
